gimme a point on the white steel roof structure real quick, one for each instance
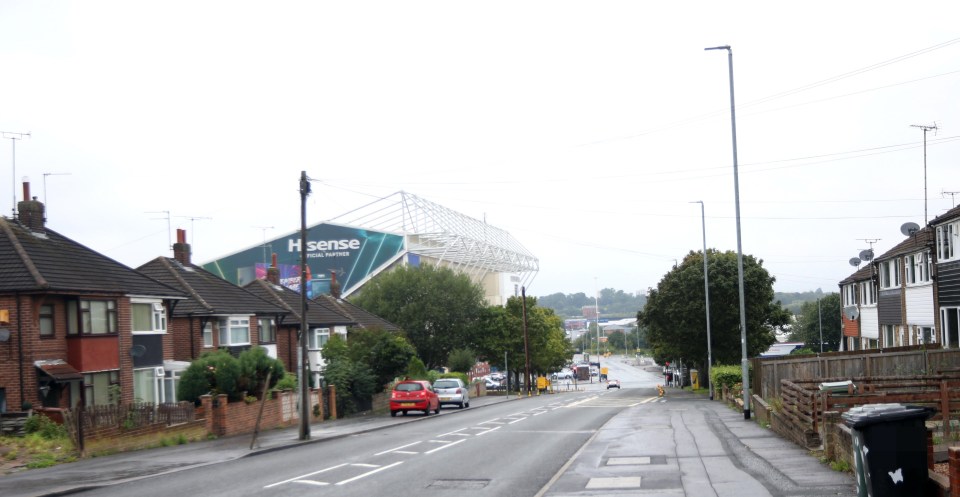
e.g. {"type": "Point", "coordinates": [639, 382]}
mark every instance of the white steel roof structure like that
{"type": "Point", "coordinates": [468, 245]}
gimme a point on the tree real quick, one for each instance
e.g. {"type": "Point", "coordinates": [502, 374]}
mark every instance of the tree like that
{"type": "Point", "coordinates": [502, 332]}
{"type": "Point", "coordinates": [461, 360]}
{"type": "Point", "coordinates": [674, 315]}
{"type": "Point", "coordinates": [386, 354]}
{"type": "Point", "coordinates": [438, 309]}
{"type": "Point", "coordinates": [808, 325]}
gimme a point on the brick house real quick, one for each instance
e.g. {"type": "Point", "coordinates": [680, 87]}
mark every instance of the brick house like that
{"type": "Point", "coordinates": [215, 314]}
{"type": "Point", "coordinates": [76, 327]}
{"type": "Point", "coordinates": [326, 314]}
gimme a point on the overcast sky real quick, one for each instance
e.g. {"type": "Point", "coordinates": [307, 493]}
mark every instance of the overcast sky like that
{"type": "Point", "coordinates": [584, 129]}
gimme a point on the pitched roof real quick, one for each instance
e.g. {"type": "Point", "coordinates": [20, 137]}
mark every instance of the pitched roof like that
{"type": "Point", "coordinates": [863, 274]}
{"type": "Point", "coordinates": [916, 242]}
{"type": "Point", "coordinates": [946, 216]}
{"type": "Point", "coordinates": [317, 315]}
{"type": "Point", "coordinates": [46, 261]}
{"type": "Point", "coordinates": [363, 318]}
{"type": "Point", "coordinates": [208, 294]}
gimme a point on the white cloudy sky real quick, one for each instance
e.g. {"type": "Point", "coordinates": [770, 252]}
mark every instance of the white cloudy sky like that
{"type": "Point", "coordinates": [585, 129]}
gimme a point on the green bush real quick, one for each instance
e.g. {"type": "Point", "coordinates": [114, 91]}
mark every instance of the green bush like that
{"type": "Point", "coordinates": [355, 384]}
{"type": "Point", "coordinates": [416, 370]}
{"type": "Point", "coordinates": [461, 360]}
{"type": "Point", "coordinates": [462, 376]}
{"type": "Point", "coordinates": [45, 427]}
{"type": "Point", "coordinates": [213, 373]}
{"type": "Point", "coordinates": [725, 375]}
{"type": "Point", "coordinates": [288, 382]}
{"type": "Point", "coordinates": [255, 364]}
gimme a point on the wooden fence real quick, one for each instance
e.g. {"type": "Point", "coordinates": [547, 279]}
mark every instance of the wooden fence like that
{"type": "Point", "coordinates": [803, 404]}
{"type": "Point", "coordinates": [916, 360]}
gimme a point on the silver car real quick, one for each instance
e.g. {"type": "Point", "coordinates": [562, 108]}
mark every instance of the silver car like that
{"type": "Point", "coordinates": [452, 391]}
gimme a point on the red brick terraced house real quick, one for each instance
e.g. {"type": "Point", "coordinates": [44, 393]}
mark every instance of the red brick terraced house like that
{"type": "Point", "coordinates": [76, 327]}
{"type": "Point", "coordinates": [215, 314]}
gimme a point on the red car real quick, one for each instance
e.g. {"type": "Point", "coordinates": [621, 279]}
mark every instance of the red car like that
{"type": "Point", "coordinates": [414, 395]}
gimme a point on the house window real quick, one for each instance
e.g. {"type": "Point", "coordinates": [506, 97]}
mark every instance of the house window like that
{"type": "Point", "coordinates": [849, 295]}
{"type": "Point", "coordinates": [148, 385]}
{"type": "Point", "coordinates": [868, 293]}
{"type": "Point", "coordinates": [890, 273]}
{"type": "Point", "coordinates": [872, 343]}
{"type": "Point", "coordinates": [148, 317]}
{"type": "Point", "coordinates": [317, 338]}
{"type": "Point", "coordinates": [268, 330]}
{"type": "Point", "coordinates": [91, 317]}
{"type": "Point", "coordinates": [947, 241]}
{"type": "Point", "coordinates": [234, 331]}
{"type": "Point", "coordinates": [46, 321]}
{"type": "Point", "coordinates": [101, 388]}
{"type": "Point", "coordinates": [888, 335]}
{"type": "Point", "coordinates": [925, 334]}
{"type": "Point", "coordinates": [918, 268]}
{"type": "Point", "coordinates": [208, 334]}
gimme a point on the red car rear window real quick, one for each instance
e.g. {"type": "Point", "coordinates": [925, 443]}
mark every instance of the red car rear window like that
{"type": "Point", "coordinates": [408, 387]}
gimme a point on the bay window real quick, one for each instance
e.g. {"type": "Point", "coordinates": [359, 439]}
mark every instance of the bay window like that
{"type": "Point", "coordinates": [234, 330]}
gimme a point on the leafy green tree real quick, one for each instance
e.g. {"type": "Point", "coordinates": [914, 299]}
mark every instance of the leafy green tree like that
{"type": "Point", "coordinates": [255, 365]}
{"type": "Point", "coordinates": [438, 309]}
{"type": "Point", "coordinates": [416, 370]}
{"type": "Point", "coordinates": [808, 326]}
{"type": "Point", "coordinates": [616, 341]}
{"type": "Point", "coordinates": [461, 360]}
{"type": "Point", "coordinates": [503, 333]}
{"type": "Point", "coordinates": [355, 384]}
{"type": "Point", "coordinates": [386, 354]}
{"type": "Point", "coordinates": [675, 312]}
{"type": "Point", "coordinates": [215, 372]}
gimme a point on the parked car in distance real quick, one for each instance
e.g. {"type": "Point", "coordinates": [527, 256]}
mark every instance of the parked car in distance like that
{"type": "Point", "coordinates": [613, 384]}
{"type": "Point", "coordinates": [563, 374]}
{"type": "Point", "coordinates": [452, 391]}
{"type": "Point", "coordinates": [492, 385]}
{"type": "Point", "coordinates": [413, 395]}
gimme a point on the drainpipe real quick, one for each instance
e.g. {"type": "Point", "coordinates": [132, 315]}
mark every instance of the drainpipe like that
{"type": "Point", "coordinates": [20, 348]}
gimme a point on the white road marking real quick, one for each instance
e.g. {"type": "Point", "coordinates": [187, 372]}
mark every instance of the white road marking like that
{"type": "Point", "coordinates": [311, 482]}
{"type": "Point", "coordinates": [443, 447]}
{"type": "Point", "coordinates": [306, 475]}
{"type": "Point", "coordinates": [368, 473]}
{"type": "Point", "coordinates": [516, 421]}
{"type": "Point", "coordinates": [451, 432]}
{"type": "Point", "coordinates": [488, 431]}
{"type": "Point", "coordinates": [396, 449]}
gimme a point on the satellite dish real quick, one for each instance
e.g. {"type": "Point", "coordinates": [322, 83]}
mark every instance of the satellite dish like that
{"type": "Point", "coordinates": [854, 261]}
{"type": "Point", "coordinates": [866, 255]}
{"type": "Point", "coordinates": [908, 229]}
{"type": "Point", "coordinates": [137, 351]}
{"type": "Point", "coordinates": [851, 313]}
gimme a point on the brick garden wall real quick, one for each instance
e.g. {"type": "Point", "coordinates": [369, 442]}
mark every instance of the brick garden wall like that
{"type": "Point", "coordinates": [234, 418]}
{"type": "Point", "coordinates": [116, 439]}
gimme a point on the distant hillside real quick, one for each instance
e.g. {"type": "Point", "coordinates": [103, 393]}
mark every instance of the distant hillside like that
{"type": "Point", "coordinates": [614, 304]}
{"type": "Point", "coordinates": [793, 301]}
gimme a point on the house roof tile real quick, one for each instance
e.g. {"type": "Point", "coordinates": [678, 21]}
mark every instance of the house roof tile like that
{"type": "Point", "coordinates": [46, 261]}
{"type": "Point", "coordinates": [364, 318]}
{"type": "Point", "coordinates": [918, 241]}
{"type": "Point", "coordinates": [318, 315]}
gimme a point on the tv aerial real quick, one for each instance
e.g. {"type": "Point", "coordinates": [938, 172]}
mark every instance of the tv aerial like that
{"type": "Point", "coordinates": [909, 229]}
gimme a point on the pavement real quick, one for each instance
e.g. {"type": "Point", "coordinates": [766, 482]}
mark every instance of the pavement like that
{"type": "Point", "coordinates": [685, 446]}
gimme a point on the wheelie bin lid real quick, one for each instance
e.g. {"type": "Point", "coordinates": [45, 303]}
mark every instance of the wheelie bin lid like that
{"type": "Point", "coordinates": [861, 416]}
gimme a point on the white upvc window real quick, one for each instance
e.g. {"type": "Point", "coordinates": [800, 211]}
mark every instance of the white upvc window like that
{"type": "Point", "coordinates": [234, 330]}
{"type": "Point", "coordinates": [317, 338]}
{"type": "Point", "coordinates": [889, 337]}
{"type": "Point", "coordinates": [918, 268]}
{"type": "Point", "coordinates": [890, 273]}
{"type": "Point", "coordinates": [148, 316]}
{"type": "Point", "coordinates": [850, 295]}
{"type": "Point", "coordinates": [947, 241]}
{"type": "Point", "coordinates": [868, 293]}
{"type": "Point", "coordinates": [208, 334]}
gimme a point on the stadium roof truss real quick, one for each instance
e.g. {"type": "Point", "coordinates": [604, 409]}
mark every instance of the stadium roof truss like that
{"type": "Point", "coordinates": [466, 244]}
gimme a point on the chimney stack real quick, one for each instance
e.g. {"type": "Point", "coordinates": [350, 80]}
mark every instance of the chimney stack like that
{"type": "Point", "coordinates": [334, 285]}
{"type": "Point", "coordinates": [30, 212]}
{"type": "Point", "coordinates": [181, 249]}
{"type": "Point", "coordinates": [273, 272]}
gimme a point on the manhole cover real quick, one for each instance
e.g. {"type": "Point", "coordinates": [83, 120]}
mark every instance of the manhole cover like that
{"type": "Point", "coordinates": [460, 484]}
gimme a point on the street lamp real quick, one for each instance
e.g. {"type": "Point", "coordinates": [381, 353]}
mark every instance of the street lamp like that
{"type": "Point", "coordinates": [706, 294]}
{"type": "Point", "coordinates": [736, 197]}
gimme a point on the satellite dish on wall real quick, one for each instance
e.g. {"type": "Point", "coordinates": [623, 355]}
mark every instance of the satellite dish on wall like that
{"type": "Point", "coordinates": [851, 313]}
{"type": "Point", "coordinates": [854, 261]}
{"type": "Point", "coordinates": [866, 255]}
{"type": "Point", "coordinates": [908, 229]}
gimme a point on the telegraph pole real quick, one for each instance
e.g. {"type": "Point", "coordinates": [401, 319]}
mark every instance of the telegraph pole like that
{"type": "Point", "coordinates": [925, 129]}
{"type": "Point", "coordinates": [13, 136]}
{"type": "Point", "coordinates": [303, 364]}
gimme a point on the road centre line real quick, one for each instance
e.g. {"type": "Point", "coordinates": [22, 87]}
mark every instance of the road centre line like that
{"type": "Point", "coordinates": [311, 482]}
{"type": "Point", "coordinates": [396, 448]}
{"type": "Point", "coordinates": [368, 473]}
{"type": "Point", "coordinates": [516, 421]}
{"type": "Point", "coordinates": [443, 447]}
{"type": "Point", "coordinates": [488, 431]}
{"type": "Point", "coordinates": [540, 412]}
{"type": "Point", "coordinates": [306, 475]}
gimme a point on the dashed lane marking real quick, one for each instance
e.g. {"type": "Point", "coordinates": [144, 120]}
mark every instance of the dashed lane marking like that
{"type": "Point", "coordinates": [368, 473]}
{"type": "Point", "coordinates": [396, 449]}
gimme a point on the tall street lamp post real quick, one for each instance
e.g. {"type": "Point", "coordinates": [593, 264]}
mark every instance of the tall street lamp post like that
{"type": "Point", "coordinates": [736, 194]}
{"type": "Point", "coordinates": [706, 294]}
